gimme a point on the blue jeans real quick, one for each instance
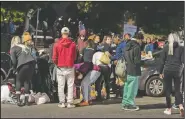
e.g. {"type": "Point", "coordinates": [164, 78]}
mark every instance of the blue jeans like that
{"type": "Point", "coordinates": [90, 78]}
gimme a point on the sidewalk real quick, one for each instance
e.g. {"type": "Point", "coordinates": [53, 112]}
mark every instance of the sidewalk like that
{"type": "Point", "coordinates": [149, 108]}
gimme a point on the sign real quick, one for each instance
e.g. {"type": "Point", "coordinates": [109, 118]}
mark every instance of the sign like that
{"type": "Point", "coordinates": [131, 29]}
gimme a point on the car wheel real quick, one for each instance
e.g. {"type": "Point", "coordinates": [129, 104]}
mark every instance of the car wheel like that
{"type": "Point", "coordinates": [155, 86]}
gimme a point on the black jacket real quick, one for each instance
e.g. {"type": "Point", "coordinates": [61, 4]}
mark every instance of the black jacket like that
{"type": "Point", "coordinates": [132, 54]}
{"type": "Point", "coordinates": [88, 54]}
{"type": "Point", "coordinates": [172, 62]}
{"type": "Point", "coordinates": [106, 47]}
{"type": "Point", "coordinates": [20, 57]}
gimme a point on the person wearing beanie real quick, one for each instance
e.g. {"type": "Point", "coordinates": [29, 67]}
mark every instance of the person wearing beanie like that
{"type": "Point", "coordinates": [64, 56]}
{"type": "Point", "coordinates": [81, 44]}
{"type": "Point", "coordinates": [171, 68]}
{"type": "Point", "coordinates": [24, 64]}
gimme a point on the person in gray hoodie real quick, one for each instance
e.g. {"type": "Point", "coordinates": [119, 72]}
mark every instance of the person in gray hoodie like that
{"type": "Point", "coordinates": [24, 64]}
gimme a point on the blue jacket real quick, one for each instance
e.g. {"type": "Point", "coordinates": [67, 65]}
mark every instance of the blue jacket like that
{"type": "Point", "coordinates": [149, 47]}
{"type": "Point", "coordinates": [119, 51]}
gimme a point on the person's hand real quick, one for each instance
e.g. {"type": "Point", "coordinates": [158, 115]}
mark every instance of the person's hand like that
{"type": "Point", "coordinates": [161, 76]}
{"type": "Point", "coordinates": [115, 62]}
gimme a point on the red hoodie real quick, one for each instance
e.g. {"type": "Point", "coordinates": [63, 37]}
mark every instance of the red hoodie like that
{"type": "Point", "coordinates": [64, 53]}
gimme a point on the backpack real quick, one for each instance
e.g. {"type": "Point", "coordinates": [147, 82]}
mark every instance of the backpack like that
{"type": "Point", "coordinates": [120, 69]}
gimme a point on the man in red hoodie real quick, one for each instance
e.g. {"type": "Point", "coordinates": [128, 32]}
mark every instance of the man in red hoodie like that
{"type": "Point", "coordinates": [64, 55]}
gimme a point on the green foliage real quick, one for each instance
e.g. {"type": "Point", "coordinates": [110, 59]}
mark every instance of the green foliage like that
{"type": "Point", "coordinates": [84, 7]}
{"type": "Point", "coordinates": [15, 15]}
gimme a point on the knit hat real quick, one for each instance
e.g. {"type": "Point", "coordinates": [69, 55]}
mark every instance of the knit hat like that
{"type": "Point", "coordinates": [26, 37]}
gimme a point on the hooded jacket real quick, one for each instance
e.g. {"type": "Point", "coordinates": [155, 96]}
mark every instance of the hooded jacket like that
{"type": "Point", "coordinates": [64, 53]}
{"type": "Point", "coordinates": [132, 54]}
{"type": "Point", "coordinates": [119, 50]}
{"type": "Point", "coordinates": [172, 62]}
{"type": "Point", "coordinates": [20, 55]}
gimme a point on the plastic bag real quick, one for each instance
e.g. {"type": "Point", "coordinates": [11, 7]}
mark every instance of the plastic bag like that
{"type": "Point", "coordinates": [42, 99]}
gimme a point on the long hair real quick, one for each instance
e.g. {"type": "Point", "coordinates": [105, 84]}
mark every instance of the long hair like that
{"type": "Point", "coordinates": [15, 41]}
{"type": "Point", "coordinates": [90, 44]}
{"type": "Point", "coordinates": [172, 37]}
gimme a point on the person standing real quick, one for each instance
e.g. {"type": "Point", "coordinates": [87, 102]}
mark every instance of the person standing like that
{"type": "Point", "coordinates": [81, 44]}
{"type": "Point", "coordinates": [24, 64]}
{"type": "Point", "coordinates": [64, 55]}
{"type": "Point", "coordinates": [172, 64]}
{"type": "Point", "coordinates": [132, 54]}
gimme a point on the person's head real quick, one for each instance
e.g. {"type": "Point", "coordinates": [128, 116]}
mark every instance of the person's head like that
{"type": "Point", "coordinates": [15, 40]}
{"type": "Point", "coordinates": [27, 39]}
{"type": "Point", "coordinates": [65, 32]}
{"type": "Point", "coordinates": [148, 40]}
{"type": "Point", "coordinates": [117, 40]}
{"type": "Point", "coordinates": [127, 36]}
{"type": "Point", "coordinates": [108, 40]}
{"type": "Point", "coordinates": [97, 39]}
{"type": "Point", "coordinates": [90, 44]}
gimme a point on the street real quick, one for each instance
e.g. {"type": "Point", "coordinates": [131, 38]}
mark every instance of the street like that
{"type": "Point", "coordinates": [150, 107]}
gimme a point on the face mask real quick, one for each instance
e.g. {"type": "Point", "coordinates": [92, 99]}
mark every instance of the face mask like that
{"type": "Point", "coordinates": [82, 38]}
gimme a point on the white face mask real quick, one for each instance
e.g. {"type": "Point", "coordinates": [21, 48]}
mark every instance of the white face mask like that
{"type": "Point", "coordinates": [82, 38]}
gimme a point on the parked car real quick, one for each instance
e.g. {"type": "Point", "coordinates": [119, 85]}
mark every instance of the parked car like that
{"type": "Point", "coordinates": [150, 82]}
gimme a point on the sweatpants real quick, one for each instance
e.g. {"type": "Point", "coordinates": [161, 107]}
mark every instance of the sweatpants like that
{"type": "Point", "coordinates": [24, 77]}
{"type": "Point", "coordinates": [170, 76]}
{"type": "Point", "coordinates": [130, 90]}
{"type": "Point", "coordinates": [90, 78]}
{"type": "Point", "coordinates": [63, 75]}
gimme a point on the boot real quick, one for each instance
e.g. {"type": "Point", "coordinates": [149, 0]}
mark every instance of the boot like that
{"type": "Point", "coordinates": [26, 101]}
{"type": "Point", "coordinates": [19, 103]}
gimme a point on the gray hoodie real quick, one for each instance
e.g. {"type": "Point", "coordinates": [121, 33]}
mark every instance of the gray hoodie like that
{"type": "Point", "coordinates": [20, 55]}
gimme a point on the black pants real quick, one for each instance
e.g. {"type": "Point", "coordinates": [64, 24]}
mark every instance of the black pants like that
{"type": "Point", "coordinates": [181, 88]}
{"type": "Point", "coordinates": [168, 78]}
{"type": "Point", "coordinates": [24, 76]}
{"type": "Point", "coordinates": [105, 74]}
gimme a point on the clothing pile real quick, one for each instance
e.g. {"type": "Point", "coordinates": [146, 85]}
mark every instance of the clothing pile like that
{"type": "Point", "coordinates": [8, 94]}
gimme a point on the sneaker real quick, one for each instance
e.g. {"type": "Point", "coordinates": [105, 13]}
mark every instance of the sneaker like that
{"type": "Point", "coordinates": [70, 105]}
{"type": "Point", "coordinates": [181, 109]}
{"type": "Point", "coordinates": [90, 102]}
{"type": "Point", "coordinates": [62, 105]}
{"type": "Point", "coordinates": [131, 108]}
{"type": "Point", "coordinates": [124, 107]}
{"type": "Point", "coordinates": [168, 111]}
{"type": "Point", "coordinates": [175, 106]}
{"type": "Point", "coordinates": [84, 103]}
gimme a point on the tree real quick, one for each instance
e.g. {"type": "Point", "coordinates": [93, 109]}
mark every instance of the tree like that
{"type": "Point", "coordinates": [15, 16]}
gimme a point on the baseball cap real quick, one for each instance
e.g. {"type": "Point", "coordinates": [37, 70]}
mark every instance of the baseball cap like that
{"type": "Point", "coordinates": [65, 30]}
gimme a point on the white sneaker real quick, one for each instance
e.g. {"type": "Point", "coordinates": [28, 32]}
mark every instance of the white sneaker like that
{"type": "Point", "coordinates": [167, 111]}
{"type": "Point", "coordinates": [62, 105]}
{"type": "Point", "coordinates": [70, 105]}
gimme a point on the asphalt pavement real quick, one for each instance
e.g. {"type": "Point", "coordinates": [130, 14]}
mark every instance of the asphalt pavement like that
{"type": "Point", "coordinates": [150, 107]}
